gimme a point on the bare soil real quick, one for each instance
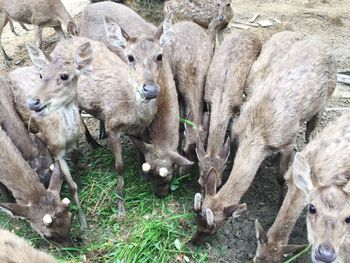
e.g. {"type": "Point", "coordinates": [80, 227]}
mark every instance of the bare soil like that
{"type": "Point", "coordinates": [327, 19]}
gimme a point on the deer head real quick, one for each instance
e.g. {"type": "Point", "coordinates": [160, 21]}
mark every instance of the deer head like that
{"type": "Point", "coordinates": [58, 78]}
{"type": "Point", "coordinates": [211, 212]}
{"type": "Point", "coordinates": [224, 10]}
{"type": "Point", "coordinates": [328, 219]}
{"type": "Point", "coordinates": [46, 213]}
{"type": "Point", "coordinates": [159, 165]}
{"type": "Point", "coordinates": [144, 56]}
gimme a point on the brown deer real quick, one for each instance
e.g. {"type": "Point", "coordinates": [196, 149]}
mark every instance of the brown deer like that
{"type": "Point", "coordinates": [273, 50]}
{"type": "Point", "coordinates": [201, 12]}
{"type": "Point", "coordinates": [51, 96]}
{"type": "Point", "coordinates": [189, 66]}
{"type": "Point", "coordinates": [224, 89]}
{"type": "Point", "coordinates": [319, 178]}
{"type": "Point", "coordinates": [268, 123]}
{"type": "Point", "coordinates": [33, 150]}
{"type": "Point", "coordinates": [47, 13]}
{"type": "Point", "coordinates": [92, 23]}
{"type": "Point", "coordinates": [43, 209]}
{"type": "Point", "coordinates": [16, 249]}
{"type": "Point", "coordinates": [146, 58]}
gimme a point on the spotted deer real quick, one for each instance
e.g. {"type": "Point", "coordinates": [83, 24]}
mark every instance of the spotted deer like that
{"type": "Point", "coordinates": [33, 150]}
{"type": "Point", "coordinates": [268, 123]}
{"type": "Point", "coordinates": [201, 12]}
{"type": "Point", "coordinates": [16, 249]}
{"type": "Point", "coordinates": [47, 13]}
{"type": "Point", "coordinates": [42, 208]}
{"type": "Point", "coordinates": [319, 179]}
{"type": "Point", "coordinates": [271, 52]}
{"type": "Point", "coordinates": [224, 89]}
{"type": "Point", "coordinates": [160, 142]}
{"type": "Point", "coordinates": [46, 98]}
{"type": "Point", "coordinates": [189, 66]}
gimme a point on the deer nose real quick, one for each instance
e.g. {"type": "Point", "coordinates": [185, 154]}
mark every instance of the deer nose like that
{"type": "Point", "coordinates": [34, 104]}
{"type": "Point", "coordinates": [150, 91]}
{"type": "Point", "coordinates": [221, 18]}
{"type": "Point", "coordinates": [325, 253]}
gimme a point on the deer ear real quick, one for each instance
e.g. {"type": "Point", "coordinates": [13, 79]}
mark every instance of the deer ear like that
{"type": "Point", "coordinates": [37, 56]}
{"type": "Point", "coordinates": [210, 184]}
{"type": "Point", "coordinates": [72, 29]}
{"type": "Point", "coordinates": [142, 146]}
{"type": "Point", "coordinates": [164, 31]}
{"type": "Point", "coordinates": [179, 159]}
{"type": "Point", "coordinates": [15, 210]}
{"type": "Point", "coordinates": [302, 173]}
{"type": "Point", "coordinates": [235, 210]}
{"type": "Point", "coordinates": [84, 56]}
{"type": "Point", "coordinates": [115, 35]}
{"type": "Point", "coordinates": [261, 235]}
{"type": "Point", "coordinates": [225, 150]}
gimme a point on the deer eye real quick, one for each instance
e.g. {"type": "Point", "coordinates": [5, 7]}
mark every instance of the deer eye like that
{"type": "Point", "coordinates": [347, 220]}
{"type": "Point", "coordinates": [228, 4]}
{"type": "Point", "coordinates": [312, 209]}
{"type": "Point", "coordinates": [218, 4]}
{"type": "Point", "coordinates": [159, 58]}
{"type": "Point", "coordinates": [131, 58]}
{"type": "Point", "coordinates": [41, 76]}
{"type": "Point", "coordinates": [64, 77]}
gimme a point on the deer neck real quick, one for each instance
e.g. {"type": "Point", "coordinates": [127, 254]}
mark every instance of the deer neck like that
{"type": "Point", "coordinates": [250, 154]}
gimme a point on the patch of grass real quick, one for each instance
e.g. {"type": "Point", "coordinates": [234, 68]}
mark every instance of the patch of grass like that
{"type": "Point", "coordinates": [153, 230]}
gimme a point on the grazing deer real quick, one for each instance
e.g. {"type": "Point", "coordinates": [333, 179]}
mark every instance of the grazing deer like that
{"type": "Point", "coordinates": [47, 13]}
{"type": "Point", "coordinates": [92, 23]}
{"type": "Point", "coordinates": [224, 89]}
{"type": "Point", "coordinates": [273, 50]}
{"type": "Point", "coordinates": [16, 249]}
{"type": "Point", "coordinates": [48, 101]}
{"type": "Point", "coordinates": [200, 12]}
{"type": "Point", "coordinates": [189, 66]}
{"type": "Point", "coordinates": [319, 178]}
{"type": "Point", "coordinates": [145, 58]}
{"type": "Point", "coordinates": [33, 150]}
{"type": "Point", "coordinates": [43, 209]}
{"type": "Point", "coordinates": [268, 123]}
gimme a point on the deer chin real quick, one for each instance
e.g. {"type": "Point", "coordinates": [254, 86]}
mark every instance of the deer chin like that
{"type": "Point", "coordinates": [44, 110]}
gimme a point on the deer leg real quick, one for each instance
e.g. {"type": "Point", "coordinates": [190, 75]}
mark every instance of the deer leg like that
{"type": "Point", "coordinates": [119, 167]}
{"type": "Point", "coordinates": [75, 160]}
{"type": "Point", "coordinates": [89, 139]}
{"type": "Point", "coordinates": [12, 27]}
{"type": "Point", "coordinates": [23, 26]}
{"type": "Point", "coordinates": [73, 188]}
{"type": "Point", "coordinates": [3, 21]}
{"type": "Point", "coordinates": [103, 133]}
{"type": "Point", "coordinates": [38, 35]}
{"type": "Point", "coordinates": [311, 126]}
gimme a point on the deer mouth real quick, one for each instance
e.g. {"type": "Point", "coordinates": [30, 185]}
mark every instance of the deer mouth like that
{"type": "Point", "coordinates": [43, 110]}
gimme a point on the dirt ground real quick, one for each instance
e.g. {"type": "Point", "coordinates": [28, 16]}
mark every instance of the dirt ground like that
{"type": "Point", "coordinates": [328, 20]}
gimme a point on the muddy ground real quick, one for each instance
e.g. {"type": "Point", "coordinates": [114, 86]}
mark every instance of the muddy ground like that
{"type": "Point", "coordinates": [329, 20]}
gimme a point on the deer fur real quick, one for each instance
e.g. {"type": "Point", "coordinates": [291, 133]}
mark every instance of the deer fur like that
{"type": "Point", "coordinates": [33, 201]}
{"type": "Point", "coordinates": [319, 176]}
{"type": "Point", "coordinates": [189, 66]}
{"type": "Point", "coordinates": [92, 23]}
{"type": "Point", "coordinates": [224, 89]}
{"type": "Point", "coordinates": [48, 102]}
{"type": "Point", "coordinates": [33, 150]}
{"type": "Point", "coordinates": [269, 122]}
{"type": "Point", "coordinates": [46, 13]}
{"type": "Point", "coordinates": [16, 249]}
{"type": "Point", "coordinates": [145, 58]}
{"type": "Point", "coordinates": [201, 12]}
{"type": "Point", "coordinates": [271, 52]}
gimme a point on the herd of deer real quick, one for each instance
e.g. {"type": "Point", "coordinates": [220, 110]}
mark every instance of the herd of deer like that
{"type": "Point", "coordinates": [138, 79]}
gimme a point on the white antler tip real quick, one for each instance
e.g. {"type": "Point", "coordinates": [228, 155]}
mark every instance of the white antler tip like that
{"type": "Point", "coordinates": [146, 167]}
{"type": "Point", "coordinates": [47, 219]}
{"type": "Point", "coordinates": [163, 172]}
{"type": "Point", "coordinates": [52, 166]}
{"type": "Point", "coordinates": [66, 201]}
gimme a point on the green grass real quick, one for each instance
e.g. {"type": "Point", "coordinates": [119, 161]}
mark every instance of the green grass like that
{"type": "Point", "coordinates": [153, 230]}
